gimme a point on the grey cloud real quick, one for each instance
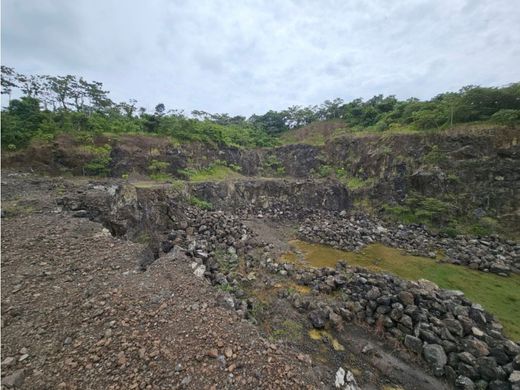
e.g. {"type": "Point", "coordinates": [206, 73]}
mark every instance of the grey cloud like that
{"type": "Point", "coordinates": [253, 55]}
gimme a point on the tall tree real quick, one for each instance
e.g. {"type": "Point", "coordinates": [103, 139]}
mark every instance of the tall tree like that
{"type": "Point", "coordinates": [8, 81]}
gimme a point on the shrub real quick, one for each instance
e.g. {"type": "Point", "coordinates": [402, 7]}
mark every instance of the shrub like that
{"type": "Point", "coordinates": [100, 162]}
{"type": "Point", "coordinates": [200, 203]}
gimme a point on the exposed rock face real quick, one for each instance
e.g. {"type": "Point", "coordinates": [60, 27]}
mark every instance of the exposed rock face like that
{"type": "Point", "coordinates": [479, 172]}
{"type": "Point", "coordinates": [274, 195]}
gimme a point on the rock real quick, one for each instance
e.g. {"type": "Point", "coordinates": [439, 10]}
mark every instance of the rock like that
{"type": "Point", "coordinates": [434, 354]}
{"type": "Point", "coordinates": [463, 382]}
{"type": "Point", "coordinates": [8, 361]}
{"type": "Point", "coordinates": [226, 300]}
{"type": "Point", "coordinates": [350, 382]}
{"type": "Point", "coordinates": [427, 285]}
{"type": "Point", "coordinates": [121, 358]}
{"type": "Point", "coordinates": [514, 378]}
{"type": "Point", "coordinates": [499, 385]}
{"type": "Point", "coordinates": [345, 380]}
{"type": "Point", "coordinates": [228, 352]}
{"type": "Point", "coordinates": [488, 368]}
{"type": "Point", "coordinates": [339, 381]}
{"type": "Point", "coordinates": [406, 298]}
{"type": "Point", "coordinates": [516, 362]}
{"type": "Point", "coordinates": [317, 318]}
{"type": "Point", "coordinates": [213, 353]}
{"type": "Point", "coordinates": [413, 343]}
{"type": "Point", "coordinates": [186, 380]}
{"type": "Point", "coordinates": [16, 379]}
{"type": "Point", "coordinates": [476, 347]}
{"type": "Point", "coordinates": [511, 348]}
{"type": "Point", "coordinates": [373, 293]}
{"type": "Point", "coordinates": [454, 327]}
{"type": "Point", "coordinates": [199, 271]}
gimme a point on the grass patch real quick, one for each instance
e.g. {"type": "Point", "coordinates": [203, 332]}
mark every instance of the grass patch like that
{"type": "Point", "coordinates": [499, 295]}
{"type": "Point", "coordinates": [215, 172]}
{"type": "Point", "coordinates": [200, 203]}
{"type": "Point", "coordinates": [288, 330]}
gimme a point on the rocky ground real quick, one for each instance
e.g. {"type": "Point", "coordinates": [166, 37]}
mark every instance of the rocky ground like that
{"type": "Point", "coordinates": [77, 314]}
{"type": "Point", "coordinates": [196, 299]}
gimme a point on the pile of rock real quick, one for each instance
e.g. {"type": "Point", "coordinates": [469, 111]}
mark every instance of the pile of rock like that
{"type": "Point", "coordinates": [353, 232]}
{"type": "Point", "coordinates": [457, 339]}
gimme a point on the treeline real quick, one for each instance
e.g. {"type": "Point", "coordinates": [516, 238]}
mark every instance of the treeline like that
{"type": "Point", "coordinates": [55, 104]}
{"type": "Point", "coordinates": [50, 105]}
{"type": "Point", "coordinates": [470, 104]}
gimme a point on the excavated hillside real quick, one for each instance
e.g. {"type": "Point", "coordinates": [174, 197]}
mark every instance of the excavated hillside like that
{"type": "Point", "coordinates": [190, 266]}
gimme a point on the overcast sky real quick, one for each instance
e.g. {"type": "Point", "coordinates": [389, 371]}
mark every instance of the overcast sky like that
{"type": "Point", "coordinates": [245, 57]}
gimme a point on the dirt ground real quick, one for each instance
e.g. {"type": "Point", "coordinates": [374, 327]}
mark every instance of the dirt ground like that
{"type": "Point", "coordinates": [77, 315]}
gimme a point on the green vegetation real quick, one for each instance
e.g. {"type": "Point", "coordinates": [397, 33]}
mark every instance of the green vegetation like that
{"type": "Point", "coordinates": [200, 203]}
{"type": "Point", "coordinates": [499, 295]}
{"type": "Point", "coordinates": [100, 159]}
{"type": "Point", "coordinates": [51, 105]}
{"type": "Point", "coordinates": [422, 210]}
{"type": "Point", "coordinates": [440, 214]}
{"type": "Point", "coordinates": [218, 170]}
{"type": "Point", "coordinates": [288, 330]}
{"type": "Point", "coordinates": [435, 156]}
{"type": "Point", "coordinates": [157, 170]}
{"type": "Point", "coordinates": [351, 182]}
{"type": "Point", "coordinates": [273, 165]}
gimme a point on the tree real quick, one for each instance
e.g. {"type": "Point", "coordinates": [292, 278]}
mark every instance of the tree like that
{"type": "Point", "coordinates": [8, 81]}
{"type": "Point", "coordinates": [61, 86]}
{"type": "Point", "coordinates": [159, 110]}
{"type": "Point", "coordinates": [129, 108]}
{"type": "Point", "coordinates": [21, 121]}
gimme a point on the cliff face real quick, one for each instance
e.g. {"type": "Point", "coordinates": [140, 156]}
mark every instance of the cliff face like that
{"type": "Point", "coordinates": [478, 173]}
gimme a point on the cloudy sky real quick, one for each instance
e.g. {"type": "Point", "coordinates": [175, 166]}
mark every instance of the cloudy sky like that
{"type": "Point", "coordinates": [245, 57]}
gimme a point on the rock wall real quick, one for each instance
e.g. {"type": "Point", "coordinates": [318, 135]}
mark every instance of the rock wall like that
{"type": "Point", "coordinates": [275, 195]}
{"type": "Point", "coordinates": [478, 172]}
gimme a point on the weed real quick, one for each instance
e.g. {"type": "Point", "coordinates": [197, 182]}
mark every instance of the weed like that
{"type": "Point", "coordinates": [200, 203]}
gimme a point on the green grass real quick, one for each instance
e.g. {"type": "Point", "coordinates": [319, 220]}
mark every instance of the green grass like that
{"type": "Point", "coordinates": [200, 203]}
{"type": "Point", "coordinates": [213, 173]}
{"type": "Point", "coordinates": [355, 183]}
{"type": "Point", "coordinates": [499, 295]}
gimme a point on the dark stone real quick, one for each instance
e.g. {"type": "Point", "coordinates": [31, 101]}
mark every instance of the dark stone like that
{"type": "Point", "coordinates": [413, 343]}
{"type": "Point", "coordinates": [317, 318]}
{"type": "Point", "coordinates": [434, 354]}
{"type": "Point", "coordinates": [463, 382]}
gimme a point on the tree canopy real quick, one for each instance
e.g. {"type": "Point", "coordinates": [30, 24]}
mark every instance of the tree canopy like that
{"type": "Point", "coordinates": [55, 104]}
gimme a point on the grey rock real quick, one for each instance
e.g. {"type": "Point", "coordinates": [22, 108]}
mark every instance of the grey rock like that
{"type": "Point", "coordinates": [463, 382]}
{"type": "Point", "coordinates": [413, 343]}
{"type": "Point", "coordinates": [434, 354]}
{"type": "Point", "coordinates": [16, 379]}
{"type": "Point", "coordinates": [317, 318]}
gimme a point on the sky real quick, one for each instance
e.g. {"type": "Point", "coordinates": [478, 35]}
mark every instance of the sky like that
{"type": "Point", "coordinates": [250, 56]}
